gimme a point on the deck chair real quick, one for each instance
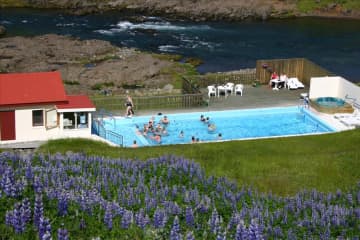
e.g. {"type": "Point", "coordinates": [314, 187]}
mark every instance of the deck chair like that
{"type": "Point", "coordinates": [291, 84]}
{"type": "Point", "coordinates": [351, 121]}
{"type": "Point", "coordinates": [297, 82]}
{"type": "Point", "coordinates": [211, 91]}
{"type": "Point", "coordinates": [222, 89]}
{"type": "Point", "coordinates": [229, 87]}
{"type": "Point", "coordinates": [239, 89]}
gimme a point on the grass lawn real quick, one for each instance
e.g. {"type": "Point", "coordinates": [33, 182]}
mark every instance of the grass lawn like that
{"type": "Point", "coordinates": [281, 165]}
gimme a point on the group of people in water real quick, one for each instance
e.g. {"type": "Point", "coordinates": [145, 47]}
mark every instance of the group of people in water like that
{"type": "Point", "coordinates": [154, 131]}
{"type": "Point", "coordinates": [211, 127]}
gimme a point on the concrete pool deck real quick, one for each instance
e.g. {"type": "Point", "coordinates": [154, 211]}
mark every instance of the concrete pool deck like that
{"type": "Point", "coordinates": [253, 97]}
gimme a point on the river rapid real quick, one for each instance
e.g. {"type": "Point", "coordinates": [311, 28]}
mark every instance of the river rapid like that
{"type": "Point", "coordinates": [223, 46]}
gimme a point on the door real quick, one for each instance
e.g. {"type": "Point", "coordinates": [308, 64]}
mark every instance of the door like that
{"type": "Point", "coordinates": [7, 125]}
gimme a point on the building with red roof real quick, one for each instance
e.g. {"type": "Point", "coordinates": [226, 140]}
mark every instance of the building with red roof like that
{"type": "Point", "coordinates": [34, 106]}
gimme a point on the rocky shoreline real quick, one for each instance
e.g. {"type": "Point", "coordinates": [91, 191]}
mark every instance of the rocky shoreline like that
{"type": "Point", "coordinates": [203, 10]}
{"type": "Point", "coordinates": [90, 66]}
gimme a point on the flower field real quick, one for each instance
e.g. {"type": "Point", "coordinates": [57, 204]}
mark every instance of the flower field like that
{"type": "Point", "coordinates": [74, 196]}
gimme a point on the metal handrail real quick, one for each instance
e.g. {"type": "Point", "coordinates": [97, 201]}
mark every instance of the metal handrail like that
{"type": "Point", "coordinates": [100, 130]}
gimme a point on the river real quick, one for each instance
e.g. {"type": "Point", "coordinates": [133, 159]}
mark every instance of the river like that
{"type": "Point", "coordinates": [223, 46]}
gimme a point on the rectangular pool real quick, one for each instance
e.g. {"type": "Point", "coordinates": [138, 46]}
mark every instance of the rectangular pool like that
{"type": "Point", "coordinates": [232, 125]}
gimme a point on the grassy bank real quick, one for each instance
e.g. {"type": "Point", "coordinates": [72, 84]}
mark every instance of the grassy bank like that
{"type": "Point", "coordinates": [281, 165]}
{"type": "Point", "coordinates": [311, 5]}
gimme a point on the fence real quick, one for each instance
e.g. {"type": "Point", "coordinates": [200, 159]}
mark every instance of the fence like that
{"type": "Point", "coordinates": [99, 129]}
{"type": "Point", "coordinates": [301, 68]}
{"type": "Point", "coordinates": [117, 103]}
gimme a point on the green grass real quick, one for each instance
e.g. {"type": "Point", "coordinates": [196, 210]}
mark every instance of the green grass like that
{"type": "Point", "coordinates": [310, 5]}
{"type": "Point", "coordinates": [280, 165]}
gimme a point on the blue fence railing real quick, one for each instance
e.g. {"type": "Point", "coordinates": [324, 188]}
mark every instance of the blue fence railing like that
{"type": "Point", "coordinates": [99, 129]}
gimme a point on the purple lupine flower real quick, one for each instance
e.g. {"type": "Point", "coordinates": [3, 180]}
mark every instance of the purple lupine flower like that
{"type": "Point", "coordinates": [38, 186]}
{"type": "Point", "coordinates": [38, 210]}
{"type": "Point", "coordinates": [255, 231]}
{"type": "Point", "coordinates": [44, 228]}
{"type": "Point", "coordinates": [9, 218]}
{"type": "Point", "coordinates": [46, 236]}
{"type": "Point", "coordinates": [126, 219]}
{"type": "Point", "coordinates": [160, 218]}
{"type": "Point", "coordinates": [62, 205]}
{"type": "Point", "coordinates": [8, 183]}
{"type": "Point", "coordinates": [62, 233]}
{"type": "Point", "coordinates": [277, 231]}
{"type": "Point", "coordinates": [327, 234]}
{"type": "Point", "coordinates": [214, 222]}
{"type": "Point", "coordinates": [221, 235]}
{"type": "Point", "coordinates": [108, 217]}
{"type": "Point", "coordinates": [18, 220]}
{"type": "Point", "coordinates": [241, 232]}
{"type": "Point", "coordinates": [141, 219]}
{"type": "Point", "coordinates": [234, 220]}
{"type": "Point", "coordinates": [175, 230]}
{"type": "Point", "coordinates": [26, 210]}
{"type": "Point", "coordinates": [189, 216]}
{"type": "Point", "coordinates": [190, 236]}
{"type": "Point", "coordinates": [28, 172]}
{"type": "Point", "coordinates": [350, 198]}
{"type": "Point", "coordinates": [291, 235]}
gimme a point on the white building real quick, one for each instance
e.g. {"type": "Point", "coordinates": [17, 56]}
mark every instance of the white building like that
{"type": "Point", "coordinates": [35, 107]}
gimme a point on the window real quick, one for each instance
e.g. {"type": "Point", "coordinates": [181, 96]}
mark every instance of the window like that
{"type": "Point", "coordinates": [82, 120]}
{"type": "Point", "coordinates": [38, 118]}
{"type": "Point", "coordinates": [51, 118]}
{"type": "Point", "coordinates": [69, 120]}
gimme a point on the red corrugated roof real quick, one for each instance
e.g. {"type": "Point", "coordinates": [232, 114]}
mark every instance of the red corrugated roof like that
{"type": "Point", "coordinates": [78, 101]}
{"type": "Point", "coordinates": [31, 88]}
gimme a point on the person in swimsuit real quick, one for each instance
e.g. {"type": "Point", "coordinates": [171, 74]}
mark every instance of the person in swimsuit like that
{"type": "Point", "coordinates": [129, 106]}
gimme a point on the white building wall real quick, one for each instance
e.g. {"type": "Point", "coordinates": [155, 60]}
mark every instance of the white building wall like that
{"type": "Point", "coordinates": [26, 132]}
{"type": "Point", "coordinates": [324, 87]}
{"type": "Point", "coordinates": [349, 91]}
{"type": "Point", "coordinates": [334, 87]}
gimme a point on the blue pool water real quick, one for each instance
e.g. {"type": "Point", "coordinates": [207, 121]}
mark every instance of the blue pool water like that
{"type": "Point", "coordinates": [234, 124]}
{"type": "Point", "coordinates": [330, 102]}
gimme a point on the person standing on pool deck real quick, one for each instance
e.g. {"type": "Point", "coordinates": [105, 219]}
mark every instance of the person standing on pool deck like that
{"type": "Point", "coordinates": [129, 106]}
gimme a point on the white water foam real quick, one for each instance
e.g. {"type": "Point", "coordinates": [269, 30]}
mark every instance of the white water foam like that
{"type": "Point", "coordinates": [168, 48]}
{"type": "Point", "coordinates": [157, 25]}
{"type": "Point", "coordinates": [5, 22]}
{"type": "Point", "coordinates": [104, 32]}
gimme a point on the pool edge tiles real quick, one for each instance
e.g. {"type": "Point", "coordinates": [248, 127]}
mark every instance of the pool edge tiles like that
{"type": "Point", "coordinates": [248, 123]}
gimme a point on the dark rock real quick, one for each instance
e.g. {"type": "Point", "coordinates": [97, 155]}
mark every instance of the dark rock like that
{"type": "Point", "coordinates": [2, 30]}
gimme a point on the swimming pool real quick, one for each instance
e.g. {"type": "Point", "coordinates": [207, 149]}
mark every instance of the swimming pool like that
{"type": "Point", "coordinates": [233, 125]}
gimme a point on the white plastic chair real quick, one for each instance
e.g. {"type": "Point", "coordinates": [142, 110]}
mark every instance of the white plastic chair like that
{"type": "Point", "coordinates": [221, 89]}
{"type": "Point", "coordinates": [239, 89]}
{"type": "Point", "coordinates": [229, 88]}
{"type": "Point", "coordinates": [211, 91]}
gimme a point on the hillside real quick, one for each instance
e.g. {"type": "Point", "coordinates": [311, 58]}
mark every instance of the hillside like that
{"type": "Point", "coordinates": [230, 10]}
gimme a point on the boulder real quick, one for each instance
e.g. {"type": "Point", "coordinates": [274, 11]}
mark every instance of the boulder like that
{"type": "Point", "coordinates": [2, 30]}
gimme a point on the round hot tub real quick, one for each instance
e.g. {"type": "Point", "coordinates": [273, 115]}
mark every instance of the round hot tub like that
{"type": "Point", "coordinates": [330, 102]}
{"type": "Point", "coordinates": [331, 105]}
